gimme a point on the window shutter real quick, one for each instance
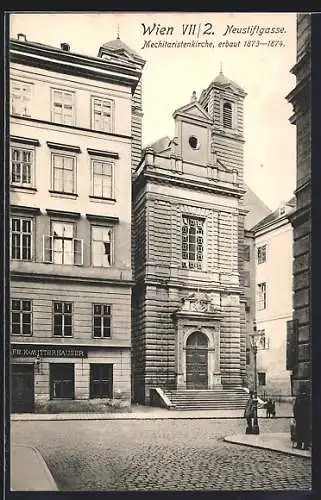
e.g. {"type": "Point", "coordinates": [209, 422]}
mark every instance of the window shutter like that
{"type": "Point", "coordinates": [78, 252]}
{"type": "Point", "coordinates": [291, 344]}
{"type": "Point", "coordinates": [47, 248]}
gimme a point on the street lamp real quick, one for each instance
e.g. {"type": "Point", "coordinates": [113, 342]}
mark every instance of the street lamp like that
{"type": "Point", "coordinates": [254, 339]}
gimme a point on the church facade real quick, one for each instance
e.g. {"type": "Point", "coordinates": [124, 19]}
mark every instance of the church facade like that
{"type": "Point", "coordinates": [188, 303]}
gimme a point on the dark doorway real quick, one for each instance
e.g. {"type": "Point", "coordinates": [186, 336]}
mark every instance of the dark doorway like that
{"type": "Point", "coordinates": [197, 361]}
{"type": "Point", "coordinates": [62, 381]}
{"type": "Point", "coordinates": [22, 388]}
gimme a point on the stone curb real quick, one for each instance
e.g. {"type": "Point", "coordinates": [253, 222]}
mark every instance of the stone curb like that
{"type": "Point", "coordinates": [104, 416]}
{"type": "Point", "coordinates": [41, 467]}
{"type": "Point", "coordinates": [240, 440]}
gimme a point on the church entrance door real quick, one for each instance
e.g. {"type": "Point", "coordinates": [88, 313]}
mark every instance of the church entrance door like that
{"type": "Point", "coordinates": [197, 361]}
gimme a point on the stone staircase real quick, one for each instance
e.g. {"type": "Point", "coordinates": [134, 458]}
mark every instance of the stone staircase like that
{"type": "Point", "coordinates": [209, 399]}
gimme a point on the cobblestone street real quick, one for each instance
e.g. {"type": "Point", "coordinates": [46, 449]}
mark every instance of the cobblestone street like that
{"type": "Point", "coordinates": [160, 455]}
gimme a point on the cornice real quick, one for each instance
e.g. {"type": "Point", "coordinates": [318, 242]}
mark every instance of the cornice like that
{"type": "Point", "coordinates": [73, 127]}
{"type": "Point", "coordinates": [169, 178]}
{"type": "Point", "coordinates": [53, 59]}
{"type": "Point", "coordinates": [49, 278]}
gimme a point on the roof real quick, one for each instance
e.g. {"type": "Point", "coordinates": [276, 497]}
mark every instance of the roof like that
{"type": "Point", "coordinates": [276, 215]}
{"type": "Point", "coordinates": [119, 45]}
{"type": "Point", "coordinates": [257, 210]}
{"type": "Point", "coordinates": [159, 145]}
{"type": "Point", "coordinates": [222, 80]}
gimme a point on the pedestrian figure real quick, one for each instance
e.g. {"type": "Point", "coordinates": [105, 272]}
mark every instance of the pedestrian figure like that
{"type": "Point", "coordinates": [249, 413]}
{"type": "Point", "coordinates": [302, 416]}
{"type": "Point", "coordinates": [270, 408]}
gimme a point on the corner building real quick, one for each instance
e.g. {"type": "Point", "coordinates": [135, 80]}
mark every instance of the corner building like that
{"type": "Point", "coordinates": [188, 299]}
{"type": "Point", "coordinates": [299, 329]}
{"type": "Point", "coordinates": [71, 155]}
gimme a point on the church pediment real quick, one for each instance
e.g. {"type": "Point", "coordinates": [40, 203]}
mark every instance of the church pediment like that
{"type": "Point", "coordinates": [193, 110]}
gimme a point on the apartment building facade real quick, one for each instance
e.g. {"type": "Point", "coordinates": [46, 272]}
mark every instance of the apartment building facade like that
{"type": "Point", "coordinates": [272, 262]}
{"type": "Point", "coordinates": [72, 119]}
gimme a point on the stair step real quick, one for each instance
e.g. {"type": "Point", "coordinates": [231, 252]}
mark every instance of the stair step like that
{"type": "Point", "coordinates": [207, 399]}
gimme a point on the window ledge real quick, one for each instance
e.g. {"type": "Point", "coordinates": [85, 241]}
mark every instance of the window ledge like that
{"type": "Point", "coordinates": [101, 199]}
{"type": "Point", "coordinates": [102, 338]}
{"type": "Point", "coordinates": [62, 194]}
{"type": "Point", "coordinates": [22, 335]}
{"type": "Point", "coordinates": [24, 115]}
{"type": "Point", "coordinates": [24, 189]}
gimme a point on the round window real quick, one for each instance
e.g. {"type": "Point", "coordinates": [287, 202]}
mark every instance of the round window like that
{"type": "Point", "coordinates": [194, 142]}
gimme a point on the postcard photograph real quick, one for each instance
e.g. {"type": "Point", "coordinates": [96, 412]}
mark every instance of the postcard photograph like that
{"type": "Point", "coordinates": [159, 180]}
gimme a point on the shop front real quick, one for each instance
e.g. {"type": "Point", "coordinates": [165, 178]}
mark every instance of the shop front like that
{"type": "Point", "coordinates": [54, 378]}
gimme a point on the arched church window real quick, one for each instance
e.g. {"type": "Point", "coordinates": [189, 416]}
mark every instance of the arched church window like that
{"type": "Point", "coordinates": [227, 115]}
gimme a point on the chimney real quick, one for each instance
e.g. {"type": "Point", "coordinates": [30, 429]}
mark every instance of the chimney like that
{"type": "Point", "coordinates": [22, 37]}
{"type": "Point", "coordinates": [65, 46]}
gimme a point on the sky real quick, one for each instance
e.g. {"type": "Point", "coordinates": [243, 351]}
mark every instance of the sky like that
{"type": "Point", "coordinates": [172, 74]}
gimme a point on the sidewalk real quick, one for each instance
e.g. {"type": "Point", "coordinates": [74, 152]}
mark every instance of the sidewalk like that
{"type": "Point", "coordinates": [29, 471]}
{"type": "Point", "coordinates": [279, 441]}
{"type": "Point", "coordinates": [137, 412]}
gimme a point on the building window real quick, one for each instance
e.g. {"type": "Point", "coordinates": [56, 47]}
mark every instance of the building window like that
{"type": "Point", "coordinates": [261, 296]}
{"type": "Point", "coordinates": [246, 253]}
{"type": "Point", "coordinates": [62, 313]}
{"type": "Point", "coordinates": [61, 247]}
{"type": "Point", "coordinates": [192, 242]}
{"type": "Point", "coordinates": [63, 173]}
{"type": "Point", "coordinates": [261, 378]}
{"type": "Point", "coordinates": [21, 317]}
{"type": "Point", "coordinates": [21, 238]}
{"type": "Point", "coordinates": [101, 114]}
{"type": "Point", "coordinates": [227, 115]}
{"type": "Point", "coordinates": [101, 245]}
{"type": "Point", "coordinates": [102, 320]}
{"type": "Point", "coordinates": [63, 108]}
{"type": "Point", "coordinates": [21, 167]}
{"type": "Point", "coordinates": [20, 98]}
{"type": "Point", "coordinates": [263, 341]}
{"type": "Point", "coordinates": [62, 381]}
{"type": "Point", "coordinates": [194, 142]}
{"type": "Point", "coordinates": [102, 179]}
{"type": "Point", "coordinates": [248, 356]}
{"type": "Point", "coordinates": [261, 254]}
{"type": "Point", "coordinates": [101, 380]}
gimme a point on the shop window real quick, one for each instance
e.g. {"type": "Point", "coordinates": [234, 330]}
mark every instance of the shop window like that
{"type": "Point", "coordinates": [101, 380]}
{"type": "Point", "coordinates": [62, 381]}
